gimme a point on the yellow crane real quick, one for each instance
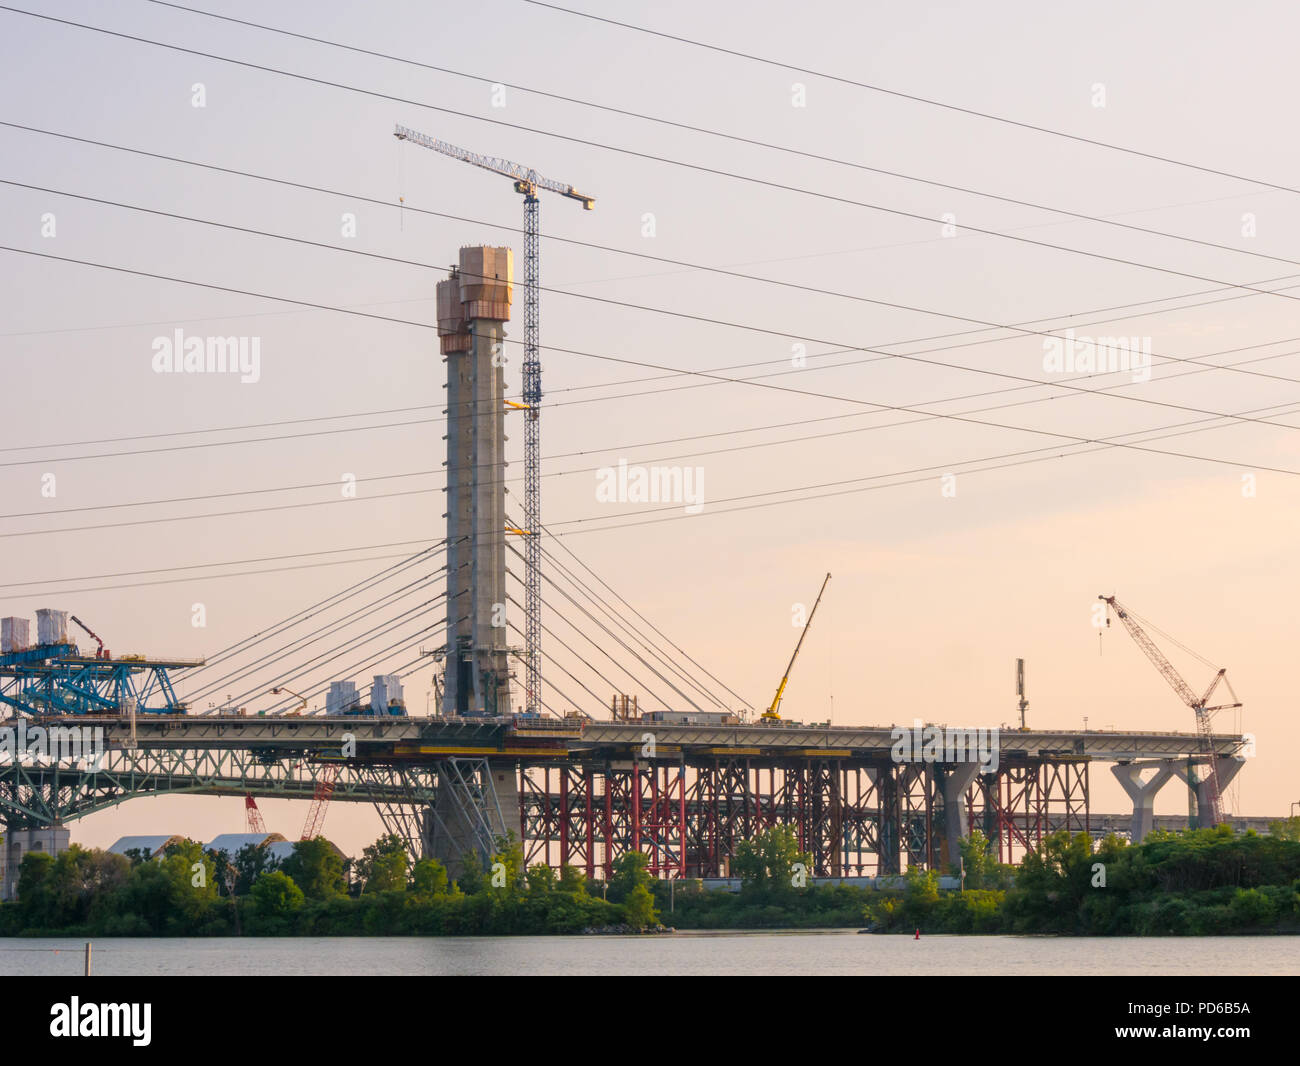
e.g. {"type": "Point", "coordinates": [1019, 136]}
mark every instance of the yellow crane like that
{"type": "Point", "coordinates": [771, 715]}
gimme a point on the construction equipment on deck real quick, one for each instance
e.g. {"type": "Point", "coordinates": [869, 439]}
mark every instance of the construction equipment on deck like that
{"type": "Point", "coordinates": [302, 705]}
{"type": "Point", "coordinates": [527, 182]}
{"type": "Point", "coordinates": [1203, 713]}
{"type": "Point", "coordinates": [771, 715]}
{"type": "Point", "coordinates": [101, 652]}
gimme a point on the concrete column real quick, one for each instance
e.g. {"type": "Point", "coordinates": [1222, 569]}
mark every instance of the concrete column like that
{"type": "Point", "coordinates": [473, 306]}
{"type": "Point", "coordinates": [457, 822]}
{"type": "Point", "coordinates": [956, 779]}
{"type": "Point", "coordinates": [1228, 768]}
{"type": "Point", "coordinates": [1143, 795]}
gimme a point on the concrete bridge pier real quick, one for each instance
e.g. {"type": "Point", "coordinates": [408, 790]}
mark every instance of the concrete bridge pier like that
{"type": "Point", "coordinates": [477, 803]}
{"type": "Point", "coordinates": [1228, 767]}
{"type": "Point", "coordinates": [954, 782]}
{"type": "Point", "coordinates": [1143, 794]}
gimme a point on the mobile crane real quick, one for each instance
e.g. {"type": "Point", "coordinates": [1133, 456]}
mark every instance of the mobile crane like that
{"type": "Point", "coordinates": [1203, 713]}
{"type": "Point", "coordinates": [771, 714]}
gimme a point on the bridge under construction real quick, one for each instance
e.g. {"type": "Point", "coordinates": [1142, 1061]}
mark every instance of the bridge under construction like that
{"type": "Point", "coordinates": [577, 785]}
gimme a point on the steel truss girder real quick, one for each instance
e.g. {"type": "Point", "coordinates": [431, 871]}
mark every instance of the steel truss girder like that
{"type": "Point", "coordinates": [35, 794]}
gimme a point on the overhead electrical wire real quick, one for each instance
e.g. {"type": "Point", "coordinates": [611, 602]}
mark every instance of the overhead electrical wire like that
{"type": "Point", "coordinates": [923, 100]}
{"type": "Point", "coordinates": [659, 120]}
{"type": "Point", "coordinates": [625, 151]}
{"type": "Point", "coordinates": [640, 255]}
{"type": "Point", "coordinates": [764, 385]}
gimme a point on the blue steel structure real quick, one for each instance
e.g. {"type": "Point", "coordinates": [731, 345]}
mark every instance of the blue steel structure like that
{"type": "Point", "coordinates": [55, 679]}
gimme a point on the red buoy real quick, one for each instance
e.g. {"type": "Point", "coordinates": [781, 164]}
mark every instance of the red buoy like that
{"type": "Point", "coordinates": [918, 935]}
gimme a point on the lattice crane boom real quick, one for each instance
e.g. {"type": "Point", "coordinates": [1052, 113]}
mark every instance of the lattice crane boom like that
{"type": "Point", "coordinates": [522, 175]}
{"type": "Point", "coordinates": [252, 816]}
{"type": "Point", "coordinates": [772, 714]}
{"type": "Point", "coordinates": [1203, 713]}
{"type": "Point", "coordinates": [527, 182]}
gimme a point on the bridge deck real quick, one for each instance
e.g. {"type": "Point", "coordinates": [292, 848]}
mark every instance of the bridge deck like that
{"type": "Point", "coordinates": [412, 737]}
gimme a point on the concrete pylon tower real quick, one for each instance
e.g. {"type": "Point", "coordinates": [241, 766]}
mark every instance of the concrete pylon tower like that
{"type": "Point", "coordinates": [473, 307]}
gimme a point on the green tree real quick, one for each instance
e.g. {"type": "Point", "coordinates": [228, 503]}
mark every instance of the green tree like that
{"type": "Point", "coordinates": [250, 862]}
{"type": "Point", "coordinates": [629, 872]}
{"type": "Point", "coordinates": [190, 875]}
{"type": "Point", "coordinates": [317, 868]}
{"type": "Point", "coordinates": [540, 879]}
{"type": "Point", "coordinates": [572, 880]}
{"type": "Point", "coordinates": [429, 878]}
{"type": "Point", "coordinates": [472, 879]}
{"type": "Point", "coordinates": [276, 896]}
{"type": "Point", "coordinates": [507, 863]}
{"type": "Point", "coordinates": [767, 861]}
{"type": "Point", "coordinates": [384, 864]}
{"type": "Point", "coordinates": [1285, 828]}
{"type": "Point", "coordinates": [977, 859]}
{"type": "Point", "coordinates": [639, 908]}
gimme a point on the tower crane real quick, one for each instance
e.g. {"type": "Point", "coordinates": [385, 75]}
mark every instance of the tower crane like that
{"type": "Point", "coordinates": [528, 183]}
{"type": "Point", "coordinates": [1204, 714]}
{"type": "Point", "coordinates": [771, 715]}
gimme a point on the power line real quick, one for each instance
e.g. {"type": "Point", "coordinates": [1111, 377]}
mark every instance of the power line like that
{"type": "Point", "coordinates": [1103, 444]}
{"type": "Point", "coordinates": [921, 99]}
{"type": "Point", "coordinates": [749, 178]}
{"type": "Point", "coordinates": [656, 443]}
{"type": "Point", "coordinates": [196, 566]}
{"type": "Point", "coordinates": [756, 329]}
{"type": "Point", "coordinates": [223, 429]}
{"type": "Point", "coordinates": [218, 514]}
{"type": "Point", "coordinates": [203, 577]}
{"type": "Point", "coordinates": [624, 112]}
{"type": "Point", "coordinates": [1251, 289]}
{"type": "Point", "coordinates": [893, 305]}
{"type": "Point", "coordinates": [218, 495]}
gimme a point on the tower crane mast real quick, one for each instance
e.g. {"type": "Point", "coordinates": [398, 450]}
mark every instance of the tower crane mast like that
{"type": "Point", "coordinates": [528, 183]}
{"type": "Point", "coordinates": [1204, 714]}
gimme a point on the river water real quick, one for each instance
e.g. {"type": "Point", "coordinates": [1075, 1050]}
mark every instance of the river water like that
{"type": "Point", "coordinates": [834, 952]}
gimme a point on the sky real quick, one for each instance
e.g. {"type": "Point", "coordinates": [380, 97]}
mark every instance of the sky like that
{"type": "Point", "coordinates": [952, 553]}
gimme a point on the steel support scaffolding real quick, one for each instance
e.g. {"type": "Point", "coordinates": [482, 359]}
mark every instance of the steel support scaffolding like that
{"type": "Point", "coordinates": [854, 819]}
